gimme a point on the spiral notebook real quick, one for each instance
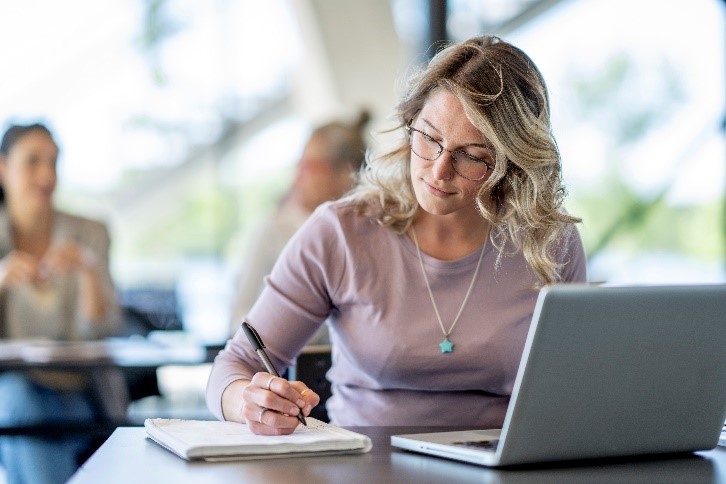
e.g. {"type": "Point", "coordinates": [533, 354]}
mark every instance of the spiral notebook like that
{"type": "Point", "coordinates": [225, 441]}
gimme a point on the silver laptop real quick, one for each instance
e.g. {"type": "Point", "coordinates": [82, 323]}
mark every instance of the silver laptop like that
{"type": "Point", "coordinates": [607, 372]}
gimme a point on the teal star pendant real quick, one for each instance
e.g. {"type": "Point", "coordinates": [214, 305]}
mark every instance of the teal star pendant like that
{"type": "Point", "coordinates": [446, 346]}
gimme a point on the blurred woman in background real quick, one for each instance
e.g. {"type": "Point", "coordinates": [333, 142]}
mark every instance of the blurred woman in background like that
{"type": "Point", "coordinates": [54, 284]}
{"type": "Point", "coordinates": [327, 169]}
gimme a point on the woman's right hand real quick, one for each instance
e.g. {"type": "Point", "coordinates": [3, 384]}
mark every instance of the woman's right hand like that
{"type": "Point", "coordinates": [17, 268]}
{"type": "Point", "coordinates": [268, 404]}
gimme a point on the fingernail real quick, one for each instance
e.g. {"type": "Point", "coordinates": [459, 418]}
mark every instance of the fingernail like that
{"type": "Point", "coordinates": [300, 402]}
{"type": "Point", "coordinates": [308, 409]}
{"type": "Point", "coordinates": [294, 411]}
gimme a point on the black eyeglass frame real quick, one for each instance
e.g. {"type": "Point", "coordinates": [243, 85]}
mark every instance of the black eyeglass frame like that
{"type": "Point", "coordinates": [453, 153]}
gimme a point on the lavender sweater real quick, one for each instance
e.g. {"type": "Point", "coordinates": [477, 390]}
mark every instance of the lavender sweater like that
{"type": "Point", "coordinates": [387, 367]}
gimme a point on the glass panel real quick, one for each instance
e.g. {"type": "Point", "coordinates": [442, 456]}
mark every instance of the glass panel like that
{"type": "Point", "coordinates": [637, 92]}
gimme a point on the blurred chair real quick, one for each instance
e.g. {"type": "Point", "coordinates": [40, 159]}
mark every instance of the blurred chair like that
{"type": "Point", "coordinates": [157, 392]}
{"type": "Point", "coordinates": [146, 310]}
{"type": "Point", "coordinates": [150, 309]}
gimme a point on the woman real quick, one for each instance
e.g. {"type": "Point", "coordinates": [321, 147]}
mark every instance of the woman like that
{"type": "Point", "coordinates": [429, 270]}
{"type": "Point", "coordinates": [54, 283]}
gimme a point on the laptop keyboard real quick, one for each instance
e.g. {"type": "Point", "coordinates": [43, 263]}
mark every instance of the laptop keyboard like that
{"type": "Point", "coordinates": [479, 444]}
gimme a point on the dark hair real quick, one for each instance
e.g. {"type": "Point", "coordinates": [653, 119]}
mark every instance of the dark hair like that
{"type": "Point", "coordinates": [17, 131]}
{"type": "Point", "coordinates": [12, 135]}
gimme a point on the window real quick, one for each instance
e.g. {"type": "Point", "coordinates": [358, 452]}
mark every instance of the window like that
{"type": "Point", "coordinates": [637, 92]}
{"type": "Point", "coordinates": [150, 102]}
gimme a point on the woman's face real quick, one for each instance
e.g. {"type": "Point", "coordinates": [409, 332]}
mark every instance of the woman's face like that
{"type": "Point", "coordinates": [438, 188]}
{"type": "Point", "coordinates": [318, 179]}
{"type": "Point", "coordinates": [28, 172]}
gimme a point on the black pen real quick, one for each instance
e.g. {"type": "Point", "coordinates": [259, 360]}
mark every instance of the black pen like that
{"type": "Point", "coordinates": [259, 348]}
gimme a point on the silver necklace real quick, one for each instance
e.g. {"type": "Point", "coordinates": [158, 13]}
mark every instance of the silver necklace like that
{"type": "Point", "coordinates": [446, 346]}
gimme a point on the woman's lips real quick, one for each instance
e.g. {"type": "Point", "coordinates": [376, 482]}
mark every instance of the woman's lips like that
{"type": "Point", "coordinates": [44, 193]}
{"type": "Point", "coordinates": [438, 192]}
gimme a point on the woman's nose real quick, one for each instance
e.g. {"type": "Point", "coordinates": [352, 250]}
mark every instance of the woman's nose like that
{"type": "Point", "coordinates": [47, 172]}
{"type": "Point", "coordinates": [443, 168]}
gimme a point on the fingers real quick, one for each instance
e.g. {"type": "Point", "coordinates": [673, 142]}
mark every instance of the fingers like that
{"type": "Point", "coordinates": [20, 267]}
{"type": "Point", "coordinates": [271, 404]}
{"type": "Point", "coordinates": [311, 398]}
{"type": "Point", "coordinates": [280, 395]}
{"type": "Point", "coordinates": [17, 268]}
{"type": "Point", "coordinates": [61, 259]}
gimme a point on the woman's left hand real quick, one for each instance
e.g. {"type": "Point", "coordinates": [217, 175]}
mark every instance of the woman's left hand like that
{"type": "Point", "coordinates": [63, 259]}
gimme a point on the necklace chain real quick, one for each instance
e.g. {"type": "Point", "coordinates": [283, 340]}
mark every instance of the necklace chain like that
{"type": "Point", "coordinates": [431, 295]}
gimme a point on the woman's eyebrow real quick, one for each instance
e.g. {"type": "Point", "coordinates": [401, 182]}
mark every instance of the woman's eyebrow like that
{"type": "Point", "coordinates": [487, 144]}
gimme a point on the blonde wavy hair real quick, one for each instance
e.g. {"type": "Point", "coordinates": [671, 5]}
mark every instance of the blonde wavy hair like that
{"type": "Point", "coordinates": [505, 97]}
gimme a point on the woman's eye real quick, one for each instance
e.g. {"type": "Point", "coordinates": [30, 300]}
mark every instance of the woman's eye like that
{"type": "Point", "coordinates": [473, 158]}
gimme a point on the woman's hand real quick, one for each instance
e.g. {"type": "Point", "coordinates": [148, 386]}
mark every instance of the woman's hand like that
{"type": "Point", "coordinates": [20, 267]}
{"type": "Point", "coordinates": [64, 259]}
{"type": "Point", "coordinates": [269, 404]}
{"type": "Point", "coordinates": [71, 257]}
{"type": "Point", "coordinates": [17, 268]}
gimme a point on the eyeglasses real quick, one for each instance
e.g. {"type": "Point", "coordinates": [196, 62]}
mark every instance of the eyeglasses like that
{"type": "Point", "coordinates": [465, 165]}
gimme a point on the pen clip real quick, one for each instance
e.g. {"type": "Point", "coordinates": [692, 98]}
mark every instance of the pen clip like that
{"type": "Point", "coordinates": [252, 336]}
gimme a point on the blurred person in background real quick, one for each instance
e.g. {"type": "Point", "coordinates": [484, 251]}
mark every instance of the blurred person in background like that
{"type": "Point", "coordinates": [54, 284]}
{"type": "Point", "coordinates": [327, 169]}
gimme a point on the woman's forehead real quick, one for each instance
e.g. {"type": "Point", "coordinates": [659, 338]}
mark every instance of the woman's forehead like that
{"type": "Point", "coordinates": [444, 112]}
